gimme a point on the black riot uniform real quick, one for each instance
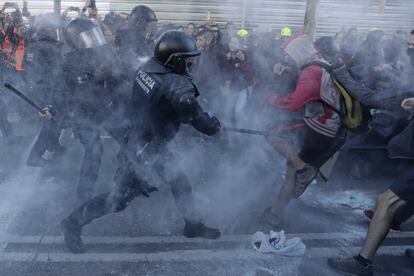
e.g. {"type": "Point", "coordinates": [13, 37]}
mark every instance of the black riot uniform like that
{"type": "Point", "coordinates": [44, 79]}
{"type": "Point", "coordinates": [136, 39]}
{"type": "Point", "coordinates": [163, 98]}
{"type": "Point", "coordinates": [91, 96]}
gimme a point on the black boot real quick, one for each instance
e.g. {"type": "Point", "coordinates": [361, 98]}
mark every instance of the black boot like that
{"type": "Point", "coordinates": [72, 231]}
{"type": "Point", "coordinates": [198, 229]}
{"type": "Point", "coordinates": [81, 216]}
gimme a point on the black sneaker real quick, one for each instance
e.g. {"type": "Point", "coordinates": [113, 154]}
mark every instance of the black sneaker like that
{"type": "Point", "coordinates": [72, 235]}
{"type": "Point", "coordinates": [350, 266]}
{"type": "Point", "coordinates": [303, 178]}
{"type": "Point", "coordinates": [195, 230]}
{"type": "Point", "coordinates": [270, 218]}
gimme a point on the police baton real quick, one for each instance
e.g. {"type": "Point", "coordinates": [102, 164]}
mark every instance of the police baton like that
{"type": "Point", "coordinates": [23, 97]}
{"type": "Point", "coordinates": [246, 131]}
{"type": "Point", "coordinates": [254, 132]}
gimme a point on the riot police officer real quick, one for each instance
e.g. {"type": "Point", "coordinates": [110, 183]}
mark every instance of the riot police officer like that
{"type": "Point", "coordinates": [44, 77]}
{"type": "Point", "coordinates": [91, 82]}
{"type": "Point", "coordinates": [163, 98]}
{"type": "Point", "coordinates": [136, 39]}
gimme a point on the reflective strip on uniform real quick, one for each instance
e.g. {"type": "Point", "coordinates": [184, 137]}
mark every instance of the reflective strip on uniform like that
{"type": "Point", "coordinates": [19, 56]}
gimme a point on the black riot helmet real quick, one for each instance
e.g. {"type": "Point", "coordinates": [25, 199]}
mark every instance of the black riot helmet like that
{"type": "Point", "coordinates": [140, 15]}
{"type": "Point", "coordinates": [176, 50]}
{"type": "Point", "coordinates": [83, 33]}
{"type": "Point", "coordinates": [48, 27]}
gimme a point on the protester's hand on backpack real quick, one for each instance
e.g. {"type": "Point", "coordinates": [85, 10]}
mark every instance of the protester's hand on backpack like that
{"type": "Point", "coordinates": [408, 104]}
{"type": "Point", "coordinates": [338, 64]}
{"type": "Point", "coordinates": [278, 69]}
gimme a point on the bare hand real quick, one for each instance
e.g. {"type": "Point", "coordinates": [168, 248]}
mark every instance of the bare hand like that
{"type": "Point", "coordinates": [228, 55]}
{"type": "Point", "coordinates": [240, 55]}
{"type": "Point", "coordinates": [278, 69]}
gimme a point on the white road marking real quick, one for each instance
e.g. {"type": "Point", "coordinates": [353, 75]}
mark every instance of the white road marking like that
{"type": "Point", "coordinates": [182, 239]}
{"type": "Point", "coordinates": [327, 252]}
{"type": "Point", "coordinates": [178, 255]}
{"type": "Point", "coordinates": [190, 255]}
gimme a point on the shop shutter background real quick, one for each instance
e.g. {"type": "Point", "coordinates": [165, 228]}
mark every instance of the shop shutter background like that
{"type": "Point", "coordinates": [332, 14]}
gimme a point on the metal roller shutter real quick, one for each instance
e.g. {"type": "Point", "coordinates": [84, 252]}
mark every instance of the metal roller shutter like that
{"type": "Point", "coordinates": [332, 14]}
{"type": "Point", "coordinates": [184, 11]}
{"type": "Point", "coordinates": [366, 15]}
{"type": "Point", "coordinates": [46, 6]}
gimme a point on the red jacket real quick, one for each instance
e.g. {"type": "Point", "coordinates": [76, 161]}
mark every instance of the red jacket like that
{"type": "Point", "coordinates": [307, 90]}
{"type": "Point", "coordinates": [317, 114]}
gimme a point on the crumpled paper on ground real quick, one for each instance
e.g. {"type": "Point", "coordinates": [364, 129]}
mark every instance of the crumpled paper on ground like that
{"type": "Point", "coordinates": [277, 243]}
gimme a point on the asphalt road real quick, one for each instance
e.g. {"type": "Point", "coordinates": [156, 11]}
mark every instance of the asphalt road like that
{"type": "Point", "coordinates": [232, 185]}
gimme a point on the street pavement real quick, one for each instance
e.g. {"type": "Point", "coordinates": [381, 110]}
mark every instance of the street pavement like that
{"type": "Point", "coordinates": [231, 188]}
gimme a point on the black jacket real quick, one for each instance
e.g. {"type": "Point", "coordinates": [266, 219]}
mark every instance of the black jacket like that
{"type": "Point", "coordinates": [162, 100]}
{"type": "Point", "coordinates": [89, 80]}
{"type": "Point", "coordinates": [44, 70]}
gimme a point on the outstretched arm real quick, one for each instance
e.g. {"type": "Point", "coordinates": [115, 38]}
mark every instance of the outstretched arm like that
{"type": "Point", "coordinates": [191, 112]}
{"type": "Point", "coordinates": [388, 99]}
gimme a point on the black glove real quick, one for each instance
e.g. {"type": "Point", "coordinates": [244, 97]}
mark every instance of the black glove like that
{"type": "Point", "coordinates": [216, 123]}
{"type": "Point", "coordinates": [145, 189]}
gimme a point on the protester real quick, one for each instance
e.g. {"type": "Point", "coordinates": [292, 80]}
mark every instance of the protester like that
{"type": "Point", "coordinates": [190, 29]}
{"type": "Point", "coordinates": [237, 67]}
{"type": "Point", "coordinates": [393, 206]}
{"type": "Point", "coordinates": [319, 132]}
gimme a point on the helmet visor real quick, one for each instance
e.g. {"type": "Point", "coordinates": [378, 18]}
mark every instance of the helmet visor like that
{"type": "Point", "coordinates": [91, 38]}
